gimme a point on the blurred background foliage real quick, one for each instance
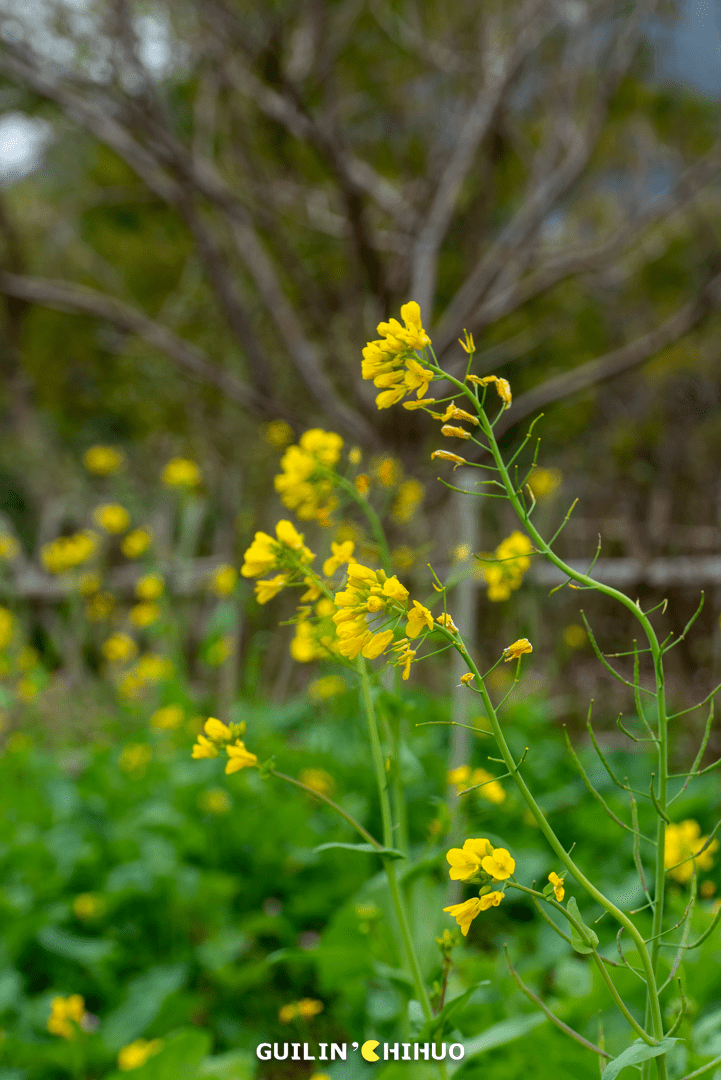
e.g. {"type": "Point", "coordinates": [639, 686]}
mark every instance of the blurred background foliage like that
{"type": "Point", "coordinates": [227, 198]}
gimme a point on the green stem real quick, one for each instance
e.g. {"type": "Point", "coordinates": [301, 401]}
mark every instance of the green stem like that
{"type": "Point", "coordinates": [329, 802]}
{"type": "Point", "coordinates": [397, 898]}
{"type": "Point", "coordinates": [373, 520]}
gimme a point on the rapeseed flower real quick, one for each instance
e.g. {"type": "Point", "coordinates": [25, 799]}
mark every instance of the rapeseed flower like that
{"type": "Point", "coordinates": [518, 648]}
{"type": "Point", "coordinates": [67, 1015]}
{"type": "Point", "coordinates": [558, 889]}
{"type": "Point", "coordinates": [149, 587]}
{"type": "Point", "coordinates": [6, 627]}
{"type": "Point", "coordinates": [682, 845]}
{"type": "Point", "coordinates": [144, 614]}
{"type": "Point", "coordinates": [136, 542]}
{"type": "Point", "coordinates": [503, 387]}
{"type": "Point", "coordinates": [137, 1053]}
{"type": "Point", "coordinates": [305, 482]}
{"type": "Point", "coordinates": [391, 361]}
{"type": "Point", "coordinates": [503, 570]}
{"type": "Point", "coordinates": [9, 547]}
{"type": "Point", "coordinates": [103, 460]}
{"type": "Point", "coordinates": [181, 473]}
{"type": "Point", "coordinates": [119, 647]}
{"type": "Point", "coordinates": [112, 517]}
{"type": "Point", "coordinates": [465, 913]}
{"type": "Point", "coordinates": [224, 580]}
{"type": "Point", "coordinates": [66, 552]}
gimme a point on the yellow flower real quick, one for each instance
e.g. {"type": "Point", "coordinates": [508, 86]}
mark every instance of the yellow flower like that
{"type": "Point", "coordinates": [492, 789]}
{"type": "Point", "coordinates": [465, 913]}
{"type": "Point", "coordinates": [490, 899]}
{"type": "Point", "coordinates": [266, 554]}
{"type": "Point", "coordinates": [447, 622]}
{"type": "Point", "coordinates": [449, 457]}
{"type": "Point", "coordinates": [66, 552]}
{"type": "Point", "coordinates": [144, 614]}
{"type": "Point", "coordinates": [387, 471]}
{"type": "Point", "coordinates": [308, 1008]}
{"type": "Point", "coordinates": [340, 554]}
{"type": "Point", "coordinates": [326, 687]}
{"type": "Point", "coordinates": [135, 757]}
{"type": "Point", "coordinates": [455, 432]}
{"type": "Point", "coordinates": [286, 1013]}
{"type": "Point", "coordinates": [454, 413]}
{"type": "Point", "coordinates": [103, 460]}
{"type": "Point", "coordinates": [362, 484]}
{"type": "Point", "coordinates": [500, 865]}
{"type": "Point", "coordinates": [390, 362]}
{"type": "Point", "coordinates": [239, 757]}
{"type": "Point", "coordinates": [153, 668]}
{"type": "Point", "coordinates": [215, 801]}
{"type": "Point", "coordinates": [682, 844]}
{"type": "Point", "coordinates": [278, 433]}
{"type": "Point", "coordinates": [317, 780]}
{"type": "Point", "coordinates": [466, 861]}
{"type": "Point", "coordinates": [6, 627]}
{"type": "Point", "coordinates": [468, 345]}
{"type": "Point", "coordinates": [265, 590]}
{"type": "Point", "coordinates": [89, 583]}
{"type": "Point", "coordinates": [168, 718]}
{"type": "Point", "coordinates": [422, 403]}
{"type": "Point", "coordinates": [9, 547]}
{"type": "Point", "coordinates": [503, 387]}
{"type": "Point", "coordinates": [112, 517]}
{"type": "Point", "coordinates": [224, 580]}
{"type": "Point", "coordinates": [136, 542]}
{"type": "Point", "coordinates": [406, 656]}
{"type": "Point", "coordinates": [304, 483]}
{"type": "Point", "coordinates": [119, 647]}
{"type": "Point", "coordinates": [558, 888]}
{"type": "Point", "coordinates": [518, 648]}
{"type": "Point", "coordinates": [149, 587]}
{"type": "Point", "coordinates": [544, 482]}
{"type": "Point", "coordinates": [87, 906]}
{"type": "Point", "coordinates": [66, 1016]}
{"type": "Point", "coordinates": [459, 777]}
{"type": "Point", "coordinates": [218, 731]}
{"type": "Point", "coordinates": [418, 618]}
{"type": "Point", "coordinates": [204, 748]}
{"type": "Point", "coordinates": [468, 678]}
{"type": "Point", "coordinates": [574, 636]}
{"type": "Point", "coordinates": [181, 473]}
{"type": "Point", "coordinates": [137, 1053]}
{"type": "Point", "coordinates": [408, 499]}
{"type": "Point", "coordinates": [377, 644]}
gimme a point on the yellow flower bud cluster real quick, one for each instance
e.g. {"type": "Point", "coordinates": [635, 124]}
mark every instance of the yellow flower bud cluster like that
{"type": "Point", "coordinates": [67, 1015]}
{"type": "Point", "coordinates": [137, 1053]}
{"type": "Point", "coordinates": [287, 553]}
{"type": "Point", "coordinates": [506, 565]}
{"type": "Point", "coordinates": [390, 362]}
{"type": "Point", "coordinates": [503, 387]}
{"type": "Point", "coordinates": [479, 861]}
{"type": "Point", "coordinates": [219, 736]}
{"type": "Point", "coordinates": [66, 552]}
{"type": "Point", "coordinates": [682, 845]}
{"type": "Point", "coordinates": [306, 1009]}
{"type": "Point", "coordinates": [305, 483]}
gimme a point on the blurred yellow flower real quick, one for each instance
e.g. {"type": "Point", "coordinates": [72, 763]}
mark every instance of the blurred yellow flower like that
{"type": "Point", "coordinates": [112, 517]}
{"type": "Point", "coordinates": [144, 614]}
{"type": "Point", "coordinates": [149, 587]}
{"type": "Point", "coordinates": [355, 455]}
{"type": "Point", "coordinates": [388, 472]}
{"type": "Point", "coordinates": [154, 668]}
{"type": "Point", "coordinates": [278, 433]}
{"type": "Point", "coordinates": [9, 547]}
{"type": "Point", "coordinates": [103, 460]}
{"type": "Point", "coordinates": [66, 1016]}
{"type": "Point", "coordinates": [215, 801]}
{"type": "Point", "coordinates": [544, 482]}
{"type": "Point", "coordinates": [137, 1053]}
{"type": "Point", "coordinates": [26, 689]}
{"type": "Point", "coordinates": [317, 780]}
{"type": "Point", "coordinates": [403, 557]}
{"type": "Point", "coordinates": [492, 789]}
{"type": "Point", "coordinates": [683, 844]}
{"type": "Point", "coordinates": [326, 687]}
{"type": "Point", "coordinates": [219, 651]}
{"type": "Point", "coordinates": [6, 627]}
{"type": "Point", "coordinates": [136, 542]}
{"type": "Point", "coordinates": [181, 473]}
{"type": "Point", "coordinates": [309, 1007]}
{"type": "Point", "coordinates": [88, 906]}
{"type": "Point", "coordinates": [66, 552]}
{"type": "Point", "coordinates": [168, 718]}
{"type": "Point", "coordinates": [238, 757]}
{"type": "Point", "coordinates": [504, 569]}
{"type": "Point", "coordinates": [304, 483]}
{"type": "Point", "coordinates": [362, 483]}
{"type": "Point", "coordinates": [119, 647]}
{"type": "Point", "coordinates": [224, 580]}
{"type": "Point", "coordinates": [89, 583]}
{"type": "Point", "coordinates": [135, 757]}
{"type": "Point", "coordinates": [28, 658]}
{"type": "Point", "coordinates": [574, 636]}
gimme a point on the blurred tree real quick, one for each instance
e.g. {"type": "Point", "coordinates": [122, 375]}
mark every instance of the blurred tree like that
{"type": "Point", "coordinates": [249, 189]}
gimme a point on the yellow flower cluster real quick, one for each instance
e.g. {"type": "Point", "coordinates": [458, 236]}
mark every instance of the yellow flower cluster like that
{"type": "Point", "coordinates": [137, 1053]}
{"type": "Point", "coordinates": [9, 547]}
{"type": "Point", "coordinates": [463, 778]}
{"type": "Point", "coordinates": [503, 387]}
{"type": "Point", "coordinates": [306, 1009]}
{"type": "Point", "coordinates": [683, 842]}
{"type": "Point", "coordinates": [66, 1016]}
{"type": "Point", "coordinates": [511, 560]}
{"type": "Point", "coordinates": [368, 601]}
{"type": "Point", "coordinates": [167, 718]}
{"type": "Point", "coordinates": [305, 485]}
{"type": "Point", "coordinates": [390, 362]}
{"type": "Point", "coordinates": [287, 553]}
{"type": "Point", "coordinates": [224, 580]}
{"type": "Point", "coordinates": [316, 639]}
{"type": "Point", "coordinates": [408, 498]}
{"type": "Point", "coordinates": [150, 669]}
{"type": "Point", "coordinates": [119, 647]}
{"type": "Point", "coordinates": [66, 552]}
{"type": "Point", "coordinates": [136, 543]}
{"type": "Point", "coordinates": [219, 736]}
{"type": "Point", "coordinates": [479, 861]}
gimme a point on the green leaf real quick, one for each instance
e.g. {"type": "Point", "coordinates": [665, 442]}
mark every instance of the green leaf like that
{"type": "Point", "coordinates": [434, 1028]}
{"type": "Point", "coordinates": [578, 942]}
{"type": "Point", "coordinates": [82, 950]}
{"type": "Point", "coordinates": [391, 853]}
{"type": "Point", "coordinates": [235, 1065]}
{"type": "Point", "coordinates": [637, 1052]}
{"type": "Point", "coordinates": [497, 1035]}
{"type": "Point", "coordinates": [179, 1059]}
{"type": "Point", "coordinates": [146, 995]}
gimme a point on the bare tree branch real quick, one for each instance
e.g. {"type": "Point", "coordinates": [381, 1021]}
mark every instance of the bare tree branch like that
{"type": "Point", "coordinates": [616, 362]}
{"type": "Point", "coordinates": [64, 296]}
